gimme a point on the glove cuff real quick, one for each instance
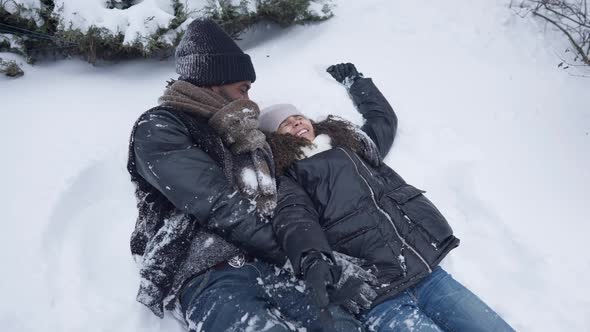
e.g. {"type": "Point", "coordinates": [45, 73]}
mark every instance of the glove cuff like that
{"type": "Point", "coordinates": [313, 257]}
{"type": "Point", "coordinates": [350, 80]}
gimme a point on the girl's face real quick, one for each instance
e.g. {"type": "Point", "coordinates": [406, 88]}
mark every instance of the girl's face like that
{"type": "Point", "coordinates": [297, 125]}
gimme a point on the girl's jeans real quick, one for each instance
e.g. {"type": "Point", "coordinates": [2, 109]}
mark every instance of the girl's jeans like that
{"type": "Point", "coordinates": [437, 303]}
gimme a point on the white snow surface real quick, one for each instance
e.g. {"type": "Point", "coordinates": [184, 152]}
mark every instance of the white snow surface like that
{"type": "Point", "coordinates": [488, 125]}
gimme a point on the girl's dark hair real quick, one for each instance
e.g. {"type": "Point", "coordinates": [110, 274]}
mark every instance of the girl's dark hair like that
{"type": "Point", "coordinates": [340, 131]}
{"type": "Point", "coordinates": [286, 148]}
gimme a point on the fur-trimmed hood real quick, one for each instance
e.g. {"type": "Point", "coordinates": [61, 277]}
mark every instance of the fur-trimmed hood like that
{"type": "Point", "coordinates": [287, 148]}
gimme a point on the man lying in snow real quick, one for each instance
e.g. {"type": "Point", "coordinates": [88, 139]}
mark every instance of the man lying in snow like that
{"type": "Point", "coordinates": [205, 187]}
{"type": "Point", "coordinates": [335, 193]}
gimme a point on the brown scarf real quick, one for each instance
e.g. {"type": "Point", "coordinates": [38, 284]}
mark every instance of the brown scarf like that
{"type": "Point", "coordinates": [248, 164]}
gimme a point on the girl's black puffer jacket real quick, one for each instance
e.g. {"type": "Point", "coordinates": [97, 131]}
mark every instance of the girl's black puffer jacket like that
{"type": "Point", "coordinates": [336, 200]}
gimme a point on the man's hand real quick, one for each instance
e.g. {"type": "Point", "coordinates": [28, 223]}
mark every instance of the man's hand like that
{"type": "Point", "coordinates": [346, 283]}
{"type": "Point", "coordinates": [320, 276]}
{"type": "Point", "coordinates": [344, 73]}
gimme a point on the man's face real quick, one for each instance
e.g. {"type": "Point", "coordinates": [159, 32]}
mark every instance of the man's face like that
{"type": "Point", "coordinates": [297, 125]}
{"type": "Point", "coordinates": [234, 91]}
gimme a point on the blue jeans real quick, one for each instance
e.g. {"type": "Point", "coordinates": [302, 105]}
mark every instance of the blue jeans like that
{"type": "Point", "coordinates": [437, 303]}
{"type": "Point", "coordinates": [255, 297]}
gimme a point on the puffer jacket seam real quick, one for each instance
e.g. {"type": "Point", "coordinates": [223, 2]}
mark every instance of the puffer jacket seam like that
{"type": "Point", "coordinates": [404, 242]}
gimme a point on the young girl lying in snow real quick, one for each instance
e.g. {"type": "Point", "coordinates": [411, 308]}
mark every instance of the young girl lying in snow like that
{"type": "Point", "coordinates": [335, 193]}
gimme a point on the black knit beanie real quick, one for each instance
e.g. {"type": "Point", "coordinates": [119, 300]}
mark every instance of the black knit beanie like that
{"type": "Point", "coordinates": [207, 56]}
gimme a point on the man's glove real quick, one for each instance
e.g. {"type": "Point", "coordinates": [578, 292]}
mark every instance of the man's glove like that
{"type": "Point", "coordinates": [344, 73]}
{"type": "Point", "coordinates": [320, 276]}
{"type": "Point", "coordinates": [355, 289]}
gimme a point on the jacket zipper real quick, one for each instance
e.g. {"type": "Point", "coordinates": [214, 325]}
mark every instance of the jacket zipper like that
{"type": "Point", "coordinates": [385, 213]}
{"type": "Point", "coordinates": [362, 163]}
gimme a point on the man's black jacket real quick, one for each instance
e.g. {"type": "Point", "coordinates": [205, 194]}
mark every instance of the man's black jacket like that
{"type": "Point", "coordinates": [168, 157]}
{"type": "Point", "coordinates": [190, 218]}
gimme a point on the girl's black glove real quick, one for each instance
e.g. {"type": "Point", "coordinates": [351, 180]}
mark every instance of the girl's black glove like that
{"type": "Point", "coordinates": [356, 287]}
{"type": "Point", "coordinates": [344, 73]}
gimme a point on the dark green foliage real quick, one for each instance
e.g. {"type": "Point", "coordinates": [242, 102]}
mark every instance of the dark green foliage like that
{"type": "Point", "coordinates": [46, 13]}
{"type": "Point", "coordinates": [180, 14]}
{"type": "Point", "coordinates": [96, 44]}
{"type": "Point", "coordinates": [4, 46]}
{"type": "Point", "coordinates": [120, 4]}
{"type": "Point", "coordinates": [53, 39]}
{"type": "Point", "coordinates": [35, 40]}
{"type": "Point", "coordinates": [235, 19]}
{"type": "Point", "coordinates": [289, 12]}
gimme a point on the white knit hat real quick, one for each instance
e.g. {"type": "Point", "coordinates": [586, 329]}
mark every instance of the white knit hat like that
{"type": "Point", "coordinates": [272, 116]}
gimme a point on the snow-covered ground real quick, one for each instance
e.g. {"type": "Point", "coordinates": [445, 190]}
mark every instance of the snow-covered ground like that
{"type": "Point", "coordinates": [489, 126]}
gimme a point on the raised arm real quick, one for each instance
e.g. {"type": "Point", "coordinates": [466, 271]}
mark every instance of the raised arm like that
{"type": "Point", "coordinates": [167, 158]}
{"type": "Point", "coordinates": [381, 121]}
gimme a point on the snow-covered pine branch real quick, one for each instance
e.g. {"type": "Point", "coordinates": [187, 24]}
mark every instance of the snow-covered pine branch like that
{"type": "Point", "coordinates": [119, 29]}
